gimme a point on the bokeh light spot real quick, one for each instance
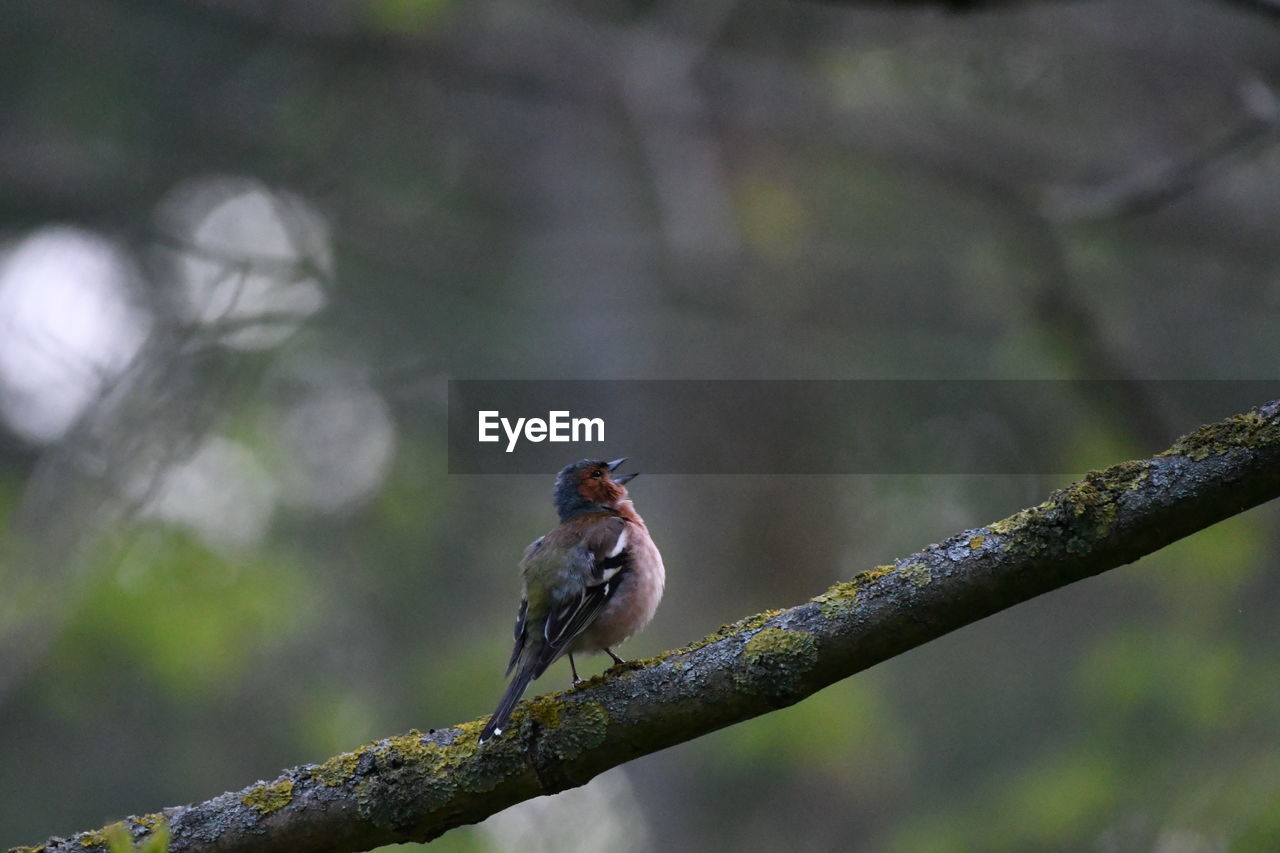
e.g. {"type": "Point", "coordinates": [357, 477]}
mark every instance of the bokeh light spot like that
{"type": "Point", "coordinates": [69, 324]}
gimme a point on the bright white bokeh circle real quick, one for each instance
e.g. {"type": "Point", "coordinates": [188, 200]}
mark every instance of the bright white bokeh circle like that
{"type": "Point", "coordinates": [70, 323]}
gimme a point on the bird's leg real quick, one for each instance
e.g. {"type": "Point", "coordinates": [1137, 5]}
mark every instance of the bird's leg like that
{"type": "Point", "coordinates": [574, 670]}
{"type": "Point", "coordinates": [617, 660]}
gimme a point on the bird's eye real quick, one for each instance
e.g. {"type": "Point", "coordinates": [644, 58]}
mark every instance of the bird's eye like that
{"type": "Point", "coordinates": [597, 473]}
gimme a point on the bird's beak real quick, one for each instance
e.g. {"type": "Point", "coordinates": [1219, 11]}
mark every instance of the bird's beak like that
{"type": "Point", "coordinates": [621, 481]}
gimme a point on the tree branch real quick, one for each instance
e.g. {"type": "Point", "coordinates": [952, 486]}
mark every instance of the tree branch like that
{"type": "Point", "coordinates": [1165, 182]}
{"type": "Point", "coordinates": [416, 786]}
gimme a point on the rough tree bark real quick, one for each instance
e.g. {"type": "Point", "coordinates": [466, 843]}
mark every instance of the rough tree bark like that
{"type": "Point", "coordinates": [416, 786]}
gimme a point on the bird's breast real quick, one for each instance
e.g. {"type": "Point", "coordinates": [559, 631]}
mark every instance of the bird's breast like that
{"type": "Point", "coordinates": [640, 583]}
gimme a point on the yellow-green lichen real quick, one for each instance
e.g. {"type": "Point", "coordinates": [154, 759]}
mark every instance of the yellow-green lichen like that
{"type": "Point", "coordinates": [336, 770]}
{"type": "Point", "coordinates": [150, 821]}
{"type": "Point", "coordinates": [1250, 429]}
{"type": "Point", "coordinates": [917, 574]}
{"type": "Point", "coordinates": [409, 780]}
{"type": "Point", "coordinates": [469, 732]}
{"type": "Point", "coordinates": [774, 660]}
{"type": "Point", "coordinates": [975, 542]}
{"type": "Point", "coordinates": [411, 746]}
{"type": "Point", "coordinates": [1092, 498]}
{"type": "Point", "coordinates": [1092, 503]}
{"type": "Point", "coordinates": [544, 710]}
{"type": "Point", "coordinates": [1087, 508]}
{"type": "Point", "coordinates": [412, 776]}
{"type": "Point", "coordinates": [579, 726]}
{"type": "Point", "coordinates": [98, 837]}
{"type": "Point", "coordinates": [265, 799]}
{"type": "Point", "coordinates": [837, 600]}
{"type": "Point", "coordinates": [871, 575]}
{"type": "Point", "coordinates": [724, 632]}
{"type": "Point", "coordinates": [840, 598]}
{"type": "Point", "coordinates": [1128, 475]}
{"type": "Point", "coordinates": [1020, 520]}
{"type": "Point", "coordinates": [480, 769]}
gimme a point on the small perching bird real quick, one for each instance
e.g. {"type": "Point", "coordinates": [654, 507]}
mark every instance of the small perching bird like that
{"type": "Point", "coordinates": [589, 584]}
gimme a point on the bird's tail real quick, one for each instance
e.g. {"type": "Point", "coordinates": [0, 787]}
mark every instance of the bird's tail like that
{"type": "Point", "coordinates": [515, 690]}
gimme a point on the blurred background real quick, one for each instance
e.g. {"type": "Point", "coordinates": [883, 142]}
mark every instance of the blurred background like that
{"type": "Point", "coordinates": [243, 247]}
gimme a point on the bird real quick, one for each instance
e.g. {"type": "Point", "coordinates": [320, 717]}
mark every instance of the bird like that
{"type": "Point", "coordinates": [590, 583]}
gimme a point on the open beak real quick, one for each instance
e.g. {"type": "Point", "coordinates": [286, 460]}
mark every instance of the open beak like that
{"type": "Point", "coordinates": [625, 478]}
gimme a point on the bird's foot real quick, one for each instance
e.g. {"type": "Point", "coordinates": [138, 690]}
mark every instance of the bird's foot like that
{"type": "Point", "coordinates": [573, 670]}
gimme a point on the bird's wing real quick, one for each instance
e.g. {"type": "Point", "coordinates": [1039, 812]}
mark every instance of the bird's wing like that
{"type": "Point", "coordinates": [521, 634]}
{"type": "Point", "coordinates": [607, 542]}
{"type": "Point", "coordinates": [595, 561]}
{"type": "Point", "coordinates": [570, 616]}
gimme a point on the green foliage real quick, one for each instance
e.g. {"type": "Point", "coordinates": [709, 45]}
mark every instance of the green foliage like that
{"type": "Point", "coordinates": [1203, 577]}
{"type": "Point", "coordinates": [838, 732]}
{"type": "Point", "coordinates": [1044, 806]}
{"type": "Point", "coordinates": [405, 17]}
{"type": "Point", "coordinates": [193, 617]}
{"type": "Point", "coordinates": [1144, 679]}
{"type": "Point", "coordinates": [1100, 445]}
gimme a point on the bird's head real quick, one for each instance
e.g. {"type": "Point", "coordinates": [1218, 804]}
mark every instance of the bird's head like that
{"type": "Point", "coordinates": [590, 485]}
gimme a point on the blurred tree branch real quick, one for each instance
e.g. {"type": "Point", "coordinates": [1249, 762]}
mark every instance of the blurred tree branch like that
{"type": "Point", "coordinates": [1167, 181]}
{"type": "Point", "coordinates": [1264, 7]}
{"type": "Point", "coordinates": [417, 786]}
